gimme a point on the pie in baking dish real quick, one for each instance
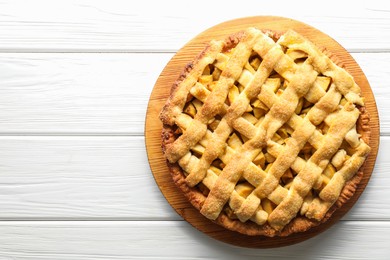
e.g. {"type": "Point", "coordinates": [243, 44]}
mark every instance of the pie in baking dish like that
{"type": "Point", "coordinates": [265, 134]}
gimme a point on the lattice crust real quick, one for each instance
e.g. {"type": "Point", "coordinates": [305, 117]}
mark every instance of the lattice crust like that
{"type": "Point", "coordinates": [266, 130]}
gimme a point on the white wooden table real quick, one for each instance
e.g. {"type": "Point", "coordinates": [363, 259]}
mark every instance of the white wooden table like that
{"type": "Point", "coordinates": [75, 78]}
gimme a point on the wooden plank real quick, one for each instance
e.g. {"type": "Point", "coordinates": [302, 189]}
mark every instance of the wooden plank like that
{"type": "Point", "coordinates": [78, 177]}
{"type": "Point", "coordinates": [177, 240]}
{"type": "Point", "coordinates": [88, 178]}
{"type": "Point", "coordinates": [96, 26]}
{"type": "Point", "coordinates": [72, 93]}
{"type": "Point", "coordinates": [76, 93]}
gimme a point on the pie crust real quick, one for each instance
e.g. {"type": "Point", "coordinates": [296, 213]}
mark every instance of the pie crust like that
{"type": "Point", "coordinates": [323, 149]}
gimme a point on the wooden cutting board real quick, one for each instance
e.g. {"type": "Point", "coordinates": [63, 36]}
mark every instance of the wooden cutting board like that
{"type": "Point", "coordinates": [161, 92]}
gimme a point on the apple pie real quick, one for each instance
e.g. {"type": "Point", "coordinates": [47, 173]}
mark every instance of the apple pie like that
{"type": "Point", "coordinates": [265, 133]}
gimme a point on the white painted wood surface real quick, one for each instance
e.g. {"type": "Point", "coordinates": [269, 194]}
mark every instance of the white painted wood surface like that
{"type": "Point", "coordinates": [176, 240]}
{"type": "Point", "coordinates": [160, 26]}
{"type": "Point", "coordinates": [84, 93]}
{"type": "Point", "coordinates": [75, 77]}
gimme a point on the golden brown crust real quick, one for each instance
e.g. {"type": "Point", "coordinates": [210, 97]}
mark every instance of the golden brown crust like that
{"type": "Point", "coordinates": [299, 224]}
{"type": "Point", "coordinates": [196, 196]}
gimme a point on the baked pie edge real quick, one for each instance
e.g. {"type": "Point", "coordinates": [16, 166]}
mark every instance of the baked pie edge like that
{"type": "Point", "coordinates": [197, 198]}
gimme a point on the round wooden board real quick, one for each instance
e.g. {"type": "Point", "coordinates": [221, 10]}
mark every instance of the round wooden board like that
{"type": "Point", "coordinates": [161, 92]}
